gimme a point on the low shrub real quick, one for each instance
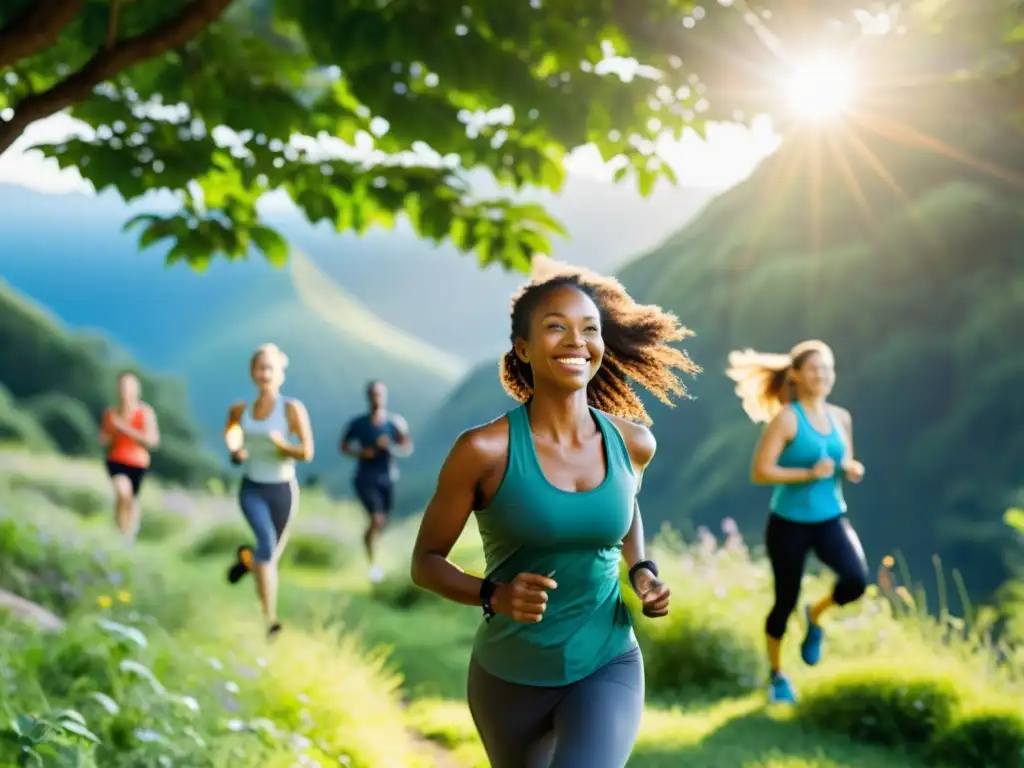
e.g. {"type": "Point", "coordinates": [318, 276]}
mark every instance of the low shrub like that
{"type": "Point", "coordinates": [220, 540]}
{"type": "Point", "coordinates": [692, 648]}
{"type": "Point", "coordinates": [35, 565]}
{"type": "Point", "coordinates": [889, 702]}
{"type": "Point", "coordinates": [708, 641]}
{"type": "Point", "coordinates": [990, 736]}
{"type": "Point", "coordinates": [67, 421]}
{"type": "Point", "coordinates": [123, 687]}
{"type": "Point", "coordinates": [306, 550]}
{"type": "Point", "coordinates": [398, 591]}
{"type": "Point", "coordinates": [18, 427]}
{"type": "Point", "coordinates": [339, 700]}
{"type": "Point", "coordinates": [160, 525]}
{"type": "Point", "coordinates": [84, 501]}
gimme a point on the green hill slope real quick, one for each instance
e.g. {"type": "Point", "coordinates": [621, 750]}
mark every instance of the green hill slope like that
{"type": "Point", "coordinates": [335, 346]}
{"type": "Point", "coordinates": [907, 256]}
{"type": "Point", "coordinates": [55, 384]}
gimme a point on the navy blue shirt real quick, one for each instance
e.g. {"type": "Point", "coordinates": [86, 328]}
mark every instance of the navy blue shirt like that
{"type": "Point", "coordinates": [365, 434]}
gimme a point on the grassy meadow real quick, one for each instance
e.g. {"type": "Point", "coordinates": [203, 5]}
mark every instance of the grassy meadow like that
{"type": "Point", "coordinates": [158, 662]}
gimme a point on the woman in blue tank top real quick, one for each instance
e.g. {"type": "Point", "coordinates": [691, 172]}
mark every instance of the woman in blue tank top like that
{"type": "Point", "coordinates": [804, 452]}
{"type": "Point", "coordinates": [556, 678]}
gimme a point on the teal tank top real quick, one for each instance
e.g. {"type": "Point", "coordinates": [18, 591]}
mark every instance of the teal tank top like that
{"type": "Point", "coordinates": [532, 526]}
{"type": "Point", "coordinates": [818, 500]}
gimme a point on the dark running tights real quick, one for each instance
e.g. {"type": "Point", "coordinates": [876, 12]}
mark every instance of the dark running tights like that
{"type": "Point", "coordinates": [591, 723]}
{"type": "Point", "coordinates": [836, 545]}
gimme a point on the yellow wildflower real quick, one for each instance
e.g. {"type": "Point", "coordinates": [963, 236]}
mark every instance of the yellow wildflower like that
{"type": "Point", "coordinates": [104, 601]}
{"type": "Point", "coordinates": [888, 561]}
{"type": "Point", "coordinates": [124, 596]}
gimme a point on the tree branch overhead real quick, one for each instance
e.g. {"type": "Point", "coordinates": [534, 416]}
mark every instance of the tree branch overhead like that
{"type": "Point", "coordinates": [108, 62]}
{"type": "Point", "coordinates": [35, 29]}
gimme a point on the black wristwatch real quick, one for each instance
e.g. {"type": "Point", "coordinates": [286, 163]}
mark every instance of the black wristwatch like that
{"type": "Point", "coordinates": [487, 588]}
{"type": "Point", "coordinates": [648, 564]}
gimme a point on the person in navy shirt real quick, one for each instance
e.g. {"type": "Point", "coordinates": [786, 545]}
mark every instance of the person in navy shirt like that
{"type": "Point", "coordinates": [375, 440]}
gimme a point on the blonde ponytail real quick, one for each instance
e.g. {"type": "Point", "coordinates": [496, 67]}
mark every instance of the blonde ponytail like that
{"type": "Point", "coordinates": [762, 379]}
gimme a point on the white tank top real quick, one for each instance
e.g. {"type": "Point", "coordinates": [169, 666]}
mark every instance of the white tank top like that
{"type": "Point", "coordinates": [264, 464]}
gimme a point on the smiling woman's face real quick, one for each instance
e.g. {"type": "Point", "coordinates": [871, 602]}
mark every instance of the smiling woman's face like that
{"type": "Point", "coordinates": [565, 348]}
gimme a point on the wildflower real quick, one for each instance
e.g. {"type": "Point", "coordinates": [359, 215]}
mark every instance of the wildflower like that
{"type": "Point", "coordinates": [124, 596]}
{"type": "Point", "coordinates": [729, 526]}
{"type": "Point", "coordinates": [104, 601]}
{"type": "Point", "coordinates": [706, 542]}
{"type": "Point", "coordinates": [888, 561]}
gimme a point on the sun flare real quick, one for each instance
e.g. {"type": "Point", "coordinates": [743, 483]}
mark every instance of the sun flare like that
{"type": "Point", "coordinates": [821, 88]}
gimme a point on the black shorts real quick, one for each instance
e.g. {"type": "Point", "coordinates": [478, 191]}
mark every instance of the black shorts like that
{"type": "Point", "coordinates": [376, 494]}
{"type": "Point", "coordinates": [134, 474]}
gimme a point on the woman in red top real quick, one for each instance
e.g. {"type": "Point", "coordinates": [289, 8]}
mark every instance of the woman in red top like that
{"type": "Point", "coordinates": [130, 431]}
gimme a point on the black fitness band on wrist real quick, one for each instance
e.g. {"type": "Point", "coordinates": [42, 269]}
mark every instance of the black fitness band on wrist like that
{"type": "Point", "coordinates": [648, 564]}
{"type": "Point", "coordinates": [487, 588]}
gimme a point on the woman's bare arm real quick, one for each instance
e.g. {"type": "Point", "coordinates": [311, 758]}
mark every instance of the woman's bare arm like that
{"type": "Point", "coordinates": [233, 428]}
{"type": "Point", "coordinates": [149, 435]}
{"type": "Point", "coordinates": [151, 428]}
{"type": "Point", "coordinates": [654, 594]}
{"type": "Point", "coordinates": [852, 468]}
{"type": "Point", "coordinates": [445, 519]}
{"type": "Point", "coordinates": [641, 445]}
{"type": "Point", "coordinates": [846, 424]}
{"type": "Point", "coordinates": [765, 469]}
{"type": "Point", "coordinates": [299, 424]}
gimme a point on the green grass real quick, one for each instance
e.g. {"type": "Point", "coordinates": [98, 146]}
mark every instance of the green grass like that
{"type": "Point", "coordinates": [376, 676]}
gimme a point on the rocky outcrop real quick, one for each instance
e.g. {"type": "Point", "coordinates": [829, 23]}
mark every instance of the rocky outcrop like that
{"type": "Point", "coordinates": [29, 612]}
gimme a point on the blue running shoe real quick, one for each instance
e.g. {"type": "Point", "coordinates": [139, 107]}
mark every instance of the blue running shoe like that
{"type": "Point", "coordinates": [810, 649]}
{"type": "Point", "coordinates": [780, 690]}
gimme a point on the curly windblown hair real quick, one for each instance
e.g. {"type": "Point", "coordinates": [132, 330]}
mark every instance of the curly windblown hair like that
{"type": "Point", "coordinates": [637, 340]}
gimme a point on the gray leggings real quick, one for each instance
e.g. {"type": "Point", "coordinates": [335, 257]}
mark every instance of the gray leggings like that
{"type": "Point", "coordinates": [591, 723]}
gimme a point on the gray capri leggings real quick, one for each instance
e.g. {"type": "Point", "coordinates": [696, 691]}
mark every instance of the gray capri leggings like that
{"type": "Point", "coordinates": [268, 508]}
{"type": "Point", "coordinates": [592, 723]}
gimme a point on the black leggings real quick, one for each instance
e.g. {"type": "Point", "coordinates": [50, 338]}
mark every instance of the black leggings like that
{"type": "Point", "coordinates": [836, 545]}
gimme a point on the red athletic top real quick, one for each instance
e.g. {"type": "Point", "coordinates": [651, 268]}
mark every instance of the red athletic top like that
{"type": "Point", "coordinates": [123, 449]}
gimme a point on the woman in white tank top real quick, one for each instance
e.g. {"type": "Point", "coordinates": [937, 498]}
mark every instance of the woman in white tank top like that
{"type": "Point", "coordinates": [256, 435]}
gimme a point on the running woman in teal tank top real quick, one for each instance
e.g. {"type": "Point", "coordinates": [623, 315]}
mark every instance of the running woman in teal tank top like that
{"type": "Point", "coordinates": [556, 677]}
{"type": "Point", "coordinates": [805, 450]}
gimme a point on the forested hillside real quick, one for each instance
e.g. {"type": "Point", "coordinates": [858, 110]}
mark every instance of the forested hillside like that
{"type": "Point", "coordinates": [900, 241]}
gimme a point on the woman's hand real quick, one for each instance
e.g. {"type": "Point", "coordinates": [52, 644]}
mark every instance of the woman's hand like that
{"type": "Point", "coordinates": [117, 423]}
{"type": "Point", "coordinates": [523, 599]}
{"type": "Point", "coordinates": [282, 445]}
{"type": "Point", "coordinates": [654, 594]}
{"type": "Point", "coordinates": [239, 456]}
{"type": "Point", "coordinates": [234, 438]}
{"type": "Point", "coordinates": [853, 470]}
{"type": "Point", "coordinates": [824, 469]}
